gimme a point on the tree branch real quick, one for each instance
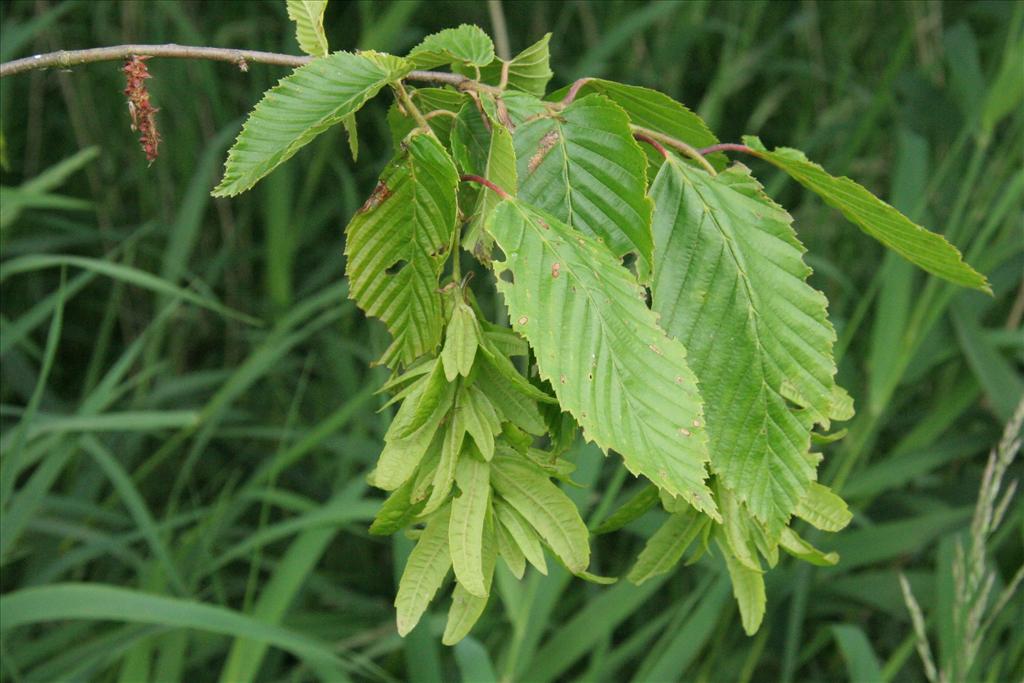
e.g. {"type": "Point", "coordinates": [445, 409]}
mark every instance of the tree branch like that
{"type": "Point", "coordinates": [63, 59]}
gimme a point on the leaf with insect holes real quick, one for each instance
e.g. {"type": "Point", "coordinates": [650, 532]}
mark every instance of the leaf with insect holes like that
{"type": "Point", "coordinates": [424, 572]}
{"type": "Point", "coordinates": [302, 106]}
{"type": "Point", "coordinates": [308, 16]}
{"type": "Point", "coordinates": [583, 166]}
{"type": "Point", "coordinates": [397, 245]}
{"type": "Point", "coordinates": [465, 44]}
{"type": "Point", "coordinates": [610, 364]}
{"type": "Point", "coordinates": [923, 248]}
{"type": "Point", "coordinates": [730, 284]}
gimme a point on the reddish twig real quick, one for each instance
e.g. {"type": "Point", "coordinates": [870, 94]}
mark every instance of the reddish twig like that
{"type": "Point", "coordinates": [469, 178]}
{"type": "Point", "coordinates": [652, 142]}
{"type": "Point", "coordinates": [574, 90]}
{"type": "Point", "coordinates": [727, 147]}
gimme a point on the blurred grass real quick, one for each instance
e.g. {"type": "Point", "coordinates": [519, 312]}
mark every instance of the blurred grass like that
{"type": "Point", "coordinates": [186, 395]}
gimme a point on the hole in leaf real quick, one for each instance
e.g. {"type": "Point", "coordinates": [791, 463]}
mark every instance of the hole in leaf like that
{"type": "Point", "coordinates": [396, 266]}
{"type": "Point", "coordinates": [506, 276]}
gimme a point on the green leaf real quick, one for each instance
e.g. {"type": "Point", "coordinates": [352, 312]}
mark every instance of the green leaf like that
{"type": "Point", "coordinates": [517, 408]}
{"type": "Point", "coordinates": [823, 509]}
{"type": "Point", "coordinates": [349, 122]}
{"type": "Point", "coordinates": [308, 16]}
{"type": "Point", "coordinates": [528, 71]}
{"type": "Point", "coordinates": [545, 507]}
{"type": "Point", "coordinates": [612, 367]}
{"type": "Point", "coordinates": [398, 242]}
{"type": "Point", "coordinates": [632, 509]}
{"type": "Point", "coordinates": [424, 572]}
{"type": "Point", "coordinates": [747, 588]}
{"type": "Point", "coordinates": [460, 341]}
{"type": "Point", "coordinates": [791, 542]}
{"type": "Point", "coordinates": [730, 284]}
{"type": "Point", "coordinates": [654, 110]}
{"type": "Point", "coordinates": [465, 533]}
{"type": "Point", "coordinates": [667, 545]}
{"type": "Point", "coordinates": [465, 44]}
{"type": "Point", "coordinates": [500, 169]}
{"type": "Point", "coordinates": [300, 107]}
{"type": "Point", "coordinates": [509, 551]}
{"type": "Point", "coordinates": [466, 608]}
{"type": "Point", "coordinates": [444, 476]}
{"type": "Point", "coordinates": [481, 420]}
{"type": "Point", "coordinates": [397, 512]}
{"type": "Point", "coordinates": [861, 661]}
{"type": "Point", "coordinates": [522, 533]}
{"type": "Point", "coordinates": [583, 166]}
{"type": "Point", "coordinates": [402, 453]}
{"type": "Point", "coordinates": [925, 249]}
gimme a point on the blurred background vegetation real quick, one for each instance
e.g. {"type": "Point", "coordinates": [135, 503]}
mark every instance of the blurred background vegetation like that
{"type": "Point", "coordinates": [188, 407]}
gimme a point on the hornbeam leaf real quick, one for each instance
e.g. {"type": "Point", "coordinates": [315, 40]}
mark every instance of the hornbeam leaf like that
{"type": "Point", "coordinates": [424, 572]}
{"type": "Point", "coordinates": [653, 110]}
{"type": "Point", "coordinates": [509, 551]}
{"type": "Point", "coordinates": [396, 512]}
{"type": "Point", "coordinates": [300, 107]}
{"type": "Point", "coordinates": [466, 608]}
{"type": "Point", "coordinates": [500, 169]}
{"type": "Point", "coordinates": [308, 16]}
{"type": "Point", "coordinates": [823, 509]}
{"type": "Point", "coordinates": [632, 509]}
{"type": "Point", "coordinates": [528, 71]}
{"type": "Point", "coordinates": [545, 507]}
{"type": "Point", "coordinates": [465, 44]}
{"type": "Point", "coordinates": [397, 244]}
{"type": "Point", "coordinates": [923, 248]}
{"type": "Point", "coordinates": [730, 284]}
{"type": "Point", "coordinates": [748, 589]}
{"type": "Point", "coordinates": [460, 341]}
{"type": "Point", "coordinates": [583, 166]}
{"type": "Point", "coordinates": [465, 532]}
{"type": "Point", "coordinates": [611, 366]}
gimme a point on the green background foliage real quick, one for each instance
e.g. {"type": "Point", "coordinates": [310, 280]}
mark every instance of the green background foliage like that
{"type": "Point", "coordinates": [187, 401]}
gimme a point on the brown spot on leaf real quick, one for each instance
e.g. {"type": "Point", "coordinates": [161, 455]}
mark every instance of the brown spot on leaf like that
{"type": "Point", "coordinates": [562, 379]}
{"type": "Point", "coordinates": [696, 423]}
{"type": "Point", "coordinates": [655, 349]}
{"type": "Point", "coordinates": [546, 143]}
{"type": "Point", "coordinates": [376, 198]}
{"type": "Point", "coordinates": [555, 268]}
{"type": "Point", "coordinates": [523, 320]}
{"type": "Point", "coordinates": [684, 431]}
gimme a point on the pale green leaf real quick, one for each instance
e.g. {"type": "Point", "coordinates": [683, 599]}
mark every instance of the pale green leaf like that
{"type": "Point", "coordinates": [466, 608]}
{"type": "Point", "coordinates": [402, 454]}
{"type": "Point", "coordinates": [465, 44]}
{"type": "Point", "coordinates": [791, 542]}
{"type": "Point", "coordinates": [748, 589]}
{"type": "Point", "coordinates": [583, 166]}
{"type": "Point", "coordinates": [481, 420]}
{"type": "Point", "coordinates": [424, 572]}
{"type": "Point", "coordinates": [509, 551]}
{"type": "Point", "coordinates": [611, 366]}
{"type": "Point", "coordinates": [730, 284]}
{"type": "Point", "coordinates": [545, 507]}
{"type": "Point", "coordinates": [465, 533]}
{"type": "Point", "coordinates": [522, 533]}
{"type": "Point", "coordinates": [308, 16]}
{"type": "Point", "coordinates": [444, 475]}
{"type": "Point", "coordinates": [923, 248]}
{"type": "Point", "coordinates": [517, 408]}
{"type": "Point", "coordinates": [300, 107]}
{"type": "Point", "coordinates": [460, 341]}
{"type": "Point", "coordinates": [397, 244]}
{"type": "Point", "coordinates": [823, 509]}
{"type": "Point", "coordinates": [667, 545]}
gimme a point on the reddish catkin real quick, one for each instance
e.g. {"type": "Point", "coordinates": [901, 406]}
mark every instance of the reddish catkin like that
{"type": "Point", "coordinates": [142, 112]}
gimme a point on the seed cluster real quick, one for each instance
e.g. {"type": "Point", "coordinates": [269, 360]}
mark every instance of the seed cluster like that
{"type": "Point", "coordinates": [143, 113]}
